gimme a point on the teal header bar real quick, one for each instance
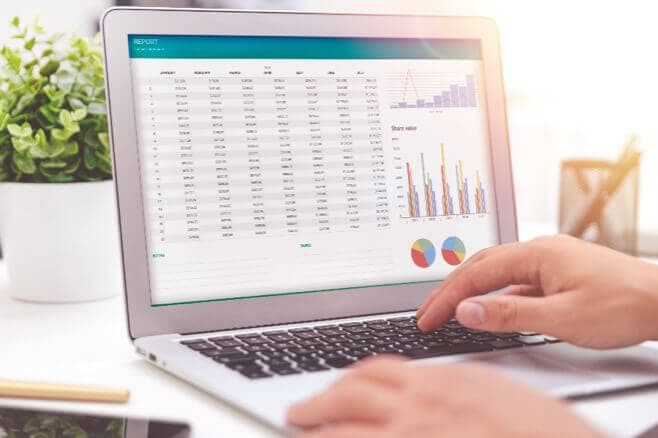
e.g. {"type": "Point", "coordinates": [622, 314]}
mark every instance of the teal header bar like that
{"type": "Point", "coordinates": [266, 47]}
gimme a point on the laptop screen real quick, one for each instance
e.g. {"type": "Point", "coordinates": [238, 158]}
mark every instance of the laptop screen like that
{"type": "Point", "coordinates": [288, 165]}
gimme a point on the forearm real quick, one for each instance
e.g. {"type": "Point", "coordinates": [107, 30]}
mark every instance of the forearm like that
{"type": "Point", "coordinates": [647, 309]}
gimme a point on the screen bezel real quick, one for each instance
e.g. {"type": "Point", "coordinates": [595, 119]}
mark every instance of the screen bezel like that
{"type": "Point", "coordinates": [146, 320]}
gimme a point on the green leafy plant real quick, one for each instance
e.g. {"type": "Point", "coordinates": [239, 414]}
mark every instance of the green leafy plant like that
{"type": "Point", "coordinates": [16, 423]}
{"type": "Point", "coordinates": [53, 123]}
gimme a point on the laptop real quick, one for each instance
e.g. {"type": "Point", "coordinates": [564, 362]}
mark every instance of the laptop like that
{"type": "Point", "coordinates": [291, 186]}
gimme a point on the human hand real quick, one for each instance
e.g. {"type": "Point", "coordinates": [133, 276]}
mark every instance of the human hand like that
{"type": "Point", "coordinates": [386, 398]}
{"type": "Point", "coordinates": [580, 292]}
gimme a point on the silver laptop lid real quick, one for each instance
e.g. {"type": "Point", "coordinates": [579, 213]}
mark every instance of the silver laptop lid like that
{"type": "Point", "coordinates": [278, 167]}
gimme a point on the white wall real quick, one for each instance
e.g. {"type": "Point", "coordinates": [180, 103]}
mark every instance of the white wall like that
{"type": "Point", "coordinates": [79, 16]}
{"type": "Point", "coordinates": [579, 76]}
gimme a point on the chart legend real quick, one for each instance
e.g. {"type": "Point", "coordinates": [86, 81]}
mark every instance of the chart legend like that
{"type": "Point", "coordinates": [423, 253]}
{"type": "Point", "coordinates": [453, 251]}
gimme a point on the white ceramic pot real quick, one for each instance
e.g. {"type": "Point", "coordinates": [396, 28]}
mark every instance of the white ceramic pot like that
{"type": "Point", "coordinates": [60, 242]}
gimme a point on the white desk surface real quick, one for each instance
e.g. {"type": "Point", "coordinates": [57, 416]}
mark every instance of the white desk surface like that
{"type": "Point", "coordinates": [88, 344]}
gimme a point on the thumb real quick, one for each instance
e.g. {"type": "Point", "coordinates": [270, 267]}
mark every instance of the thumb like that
{"type": "Point", "coordinates": [505, 313]}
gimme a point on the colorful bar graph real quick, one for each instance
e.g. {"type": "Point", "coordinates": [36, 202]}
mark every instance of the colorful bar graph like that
{"type": "Point", "coordinates": [453, 96]}
{"type": "Point", "coordinates": [429, 194]}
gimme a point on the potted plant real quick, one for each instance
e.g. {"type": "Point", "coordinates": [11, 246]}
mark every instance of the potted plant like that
{"type": "Point", "coordinates": [57, 216]}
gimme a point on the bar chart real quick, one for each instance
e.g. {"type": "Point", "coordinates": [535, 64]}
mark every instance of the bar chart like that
{"type": "Point", "coordinates": [430, 203]}
{"type": "Point", "coordinates": [432, 90]}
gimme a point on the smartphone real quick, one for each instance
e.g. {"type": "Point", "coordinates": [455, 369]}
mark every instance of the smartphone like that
{"type": "Point", "coordinates": [23, 423]}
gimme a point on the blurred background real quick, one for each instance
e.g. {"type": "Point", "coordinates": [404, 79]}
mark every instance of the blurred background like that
{"type": "Point", "coordinates": [579, 76]}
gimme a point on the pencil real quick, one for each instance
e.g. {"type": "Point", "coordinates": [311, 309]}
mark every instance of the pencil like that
{"type": "Point", "coordinates": [48, 391]}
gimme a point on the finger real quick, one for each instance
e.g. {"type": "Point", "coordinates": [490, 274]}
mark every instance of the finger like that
{"type": "Point", "coordinates": [516, 263]}
{"type": "Point", "coordinates": [386, 369]}
{"type": "Point", "coordinates": [514, 313]}
{"type": "Point", "coordinates": [525, 290]}
{"type": "Point", "coordinates": [348, 430]}
{"type": "Point", "coordinates": [361, 401]}
{"type": "Point", "coordinates": [427, 303]}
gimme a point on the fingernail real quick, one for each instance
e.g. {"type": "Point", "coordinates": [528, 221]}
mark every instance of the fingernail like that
{"type": "Point", "coordinates": [470, 313]}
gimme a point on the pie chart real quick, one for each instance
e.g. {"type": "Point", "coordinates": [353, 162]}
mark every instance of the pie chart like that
{"type": "Point", "coordinates": [453, 251]}
{"type": "Point", "coordinates": [423, 253]}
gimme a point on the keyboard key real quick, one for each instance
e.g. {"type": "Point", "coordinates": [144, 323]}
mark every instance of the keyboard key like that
{"type": "Point", "coordinates": [341, 362]}
{"type": "Point", "coordinates": [409, 346]}
{"type": "Point", "coordinates": [482, 337]}
{"type": "Point", "coordinates": [323, 327]}
{"type": "Point", "coordinates": [307, 335]}
{"type": "Point", "coordinates": [307, 358]}
{"type": "Point", "coordinates": [551, 339]}
{"type": "Point", "coordinates": [350, 343]}
{"type": "Point", "coordinates": [378, 327]}
{"type": "Point", "coordinates": [532, 340]}
{"type": "Point", "coordinates": [285, 371]}
{"type": "Point", "coordinates": [274, 333]}
{"type": "Point", "coordinates": [331, 332]}
{"type": "Point", "coordinates": [500, 344]}
{"type": "Point", "coordinates": [331, 356]}
{"type": "Point", "coordinates": [229, 352]}
{"type": "Point", "coordinates": [443, 351]}
{"type": "Point", "coordinates": [400, 318]}
{"type": "Point", "coordinates": [248, 335]}
{"type": "Point", "coordinates": [437, 343]}
{"type": "Point", "coordinates": [385, 334]}
{"type": "Point", "coordinates": [300, 351]}
{"type": "Point", "coordinates": [378, 322]}
{"type": "Point", "coordinates": [357, 329]}
{"type": "Point", "coordinates": [300, 330]}
{"type": "Point", "coordinates": [268, 356]}
{"type": "Point", "coordinates": [244, 358]}
{"type": "Point", "coordinates": [192, 341]}
{"type": "Point", "coordinates": [313, 367]}
{"type": "Point", "coordinates": [360, 349]}
{"type": "Point", "coordinates": [211, 353]}
{"type": "Point", "coordinates": [360, 336]}
{"type": "Point", "coordinates": [255, 348]}
{"type": "Point", "coordinates": [351, 324]}
{"type": "Point", "coordinates": [224, 342]}
{"type": "Point", "coordinates": [281, 338]}
{"type": "Point", "coordinates": [255, 374]}
{"type": "Point", "coordinates": [244, 366]}
{"type": "Point", "coordinates": [409, 324]}
{"type": "Point", "coordinates": [283, 345]}
{"type": "Point", "coordinates": [201, 346]}
{"type": "Point", "coordinates": [385, 349]}
{"type": "Point", "coordinates": [330, 348]}
{"type": "Point", "coordinates": [458, 341]}
{"type": "Point", "coordinates": [275, 363]}
{"type": "Point", "coordinates": [409, 331]}
{"type": "Point", "coordinates": [309, 342]}
{"type": "Point", "coordinates": [451, 334]}
{"type": "Point", "coordinates": [255, 340]}
{"type": "Point", "coordinates": [506, 335]}
{"type": "Point", "coordinates": [361, 354]}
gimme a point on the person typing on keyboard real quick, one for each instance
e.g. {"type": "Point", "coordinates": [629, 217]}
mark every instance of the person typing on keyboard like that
{"type": "Point", "coordinates": [579, 292]}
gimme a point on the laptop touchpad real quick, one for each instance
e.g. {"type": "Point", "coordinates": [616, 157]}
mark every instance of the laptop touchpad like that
{"type": "Point", "coordinates": [540, 371]}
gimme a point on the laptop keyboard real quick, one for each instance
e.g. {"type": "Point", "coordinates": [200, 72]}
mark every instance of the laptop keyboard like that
{"type": "Point", "coordinates": [267, 354]}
